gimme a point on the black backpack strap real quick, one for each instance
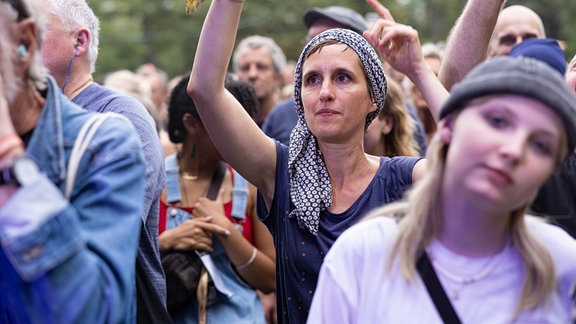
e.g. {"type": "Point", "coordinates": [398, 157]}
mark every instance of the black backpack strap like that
{"type": "Point", "coordinates": [436, 291]}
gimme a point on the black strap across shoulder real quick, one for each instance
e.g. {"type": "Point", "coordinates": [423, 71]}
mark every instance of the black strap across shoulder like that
{"type": "Point", "coordinates": [436, 291]}
{"type": "Point", "coordinates": [216, 182]}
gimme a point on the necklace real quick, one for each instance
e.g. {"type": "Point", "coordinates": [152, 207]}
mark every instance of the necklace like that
{"type": "Point", "coordinates": [81, 87]}
{"type": "Point", "coordinates": [462, 282]}
{"type": "Point", "coordinates": [188, 176]}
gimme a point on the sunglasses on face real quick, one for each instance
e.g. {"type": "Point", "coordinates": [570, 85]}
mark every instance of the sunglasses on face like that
{"type": "Point", "coordinates": [511, 39]}
{"type": "Point", "coordinates": [20, 8]}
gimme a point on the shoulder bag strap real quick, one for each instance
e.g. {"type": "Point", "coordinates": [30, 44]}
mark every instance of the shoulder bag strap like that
{"type": "Point", "coordinates": [216, 182]}
{"type": "Point", "coordinates": [81, 144]}
{"type": "Point", "coordinates": [436, 291]}
{"type": "Point", "coordinates": [150, 308]}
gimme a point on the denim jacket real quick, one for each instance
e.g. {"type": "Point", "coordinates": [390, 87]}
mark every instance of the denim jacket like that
{"type": "Point", "coordinates": [73, 262]}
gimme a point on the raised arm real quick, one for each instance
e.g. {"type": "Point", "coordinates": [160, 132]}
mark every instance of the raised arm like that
{"type": "Point", "coordinates": [235, 134]}
{"type": "Point", "coordinates": [469, 40]}
{"type": "Point", "coordinates": [400, 46]}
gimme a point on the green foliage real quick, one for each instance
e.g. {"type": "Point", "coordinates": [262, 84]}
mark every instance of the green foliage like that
{"type": "Point", "coordinates": [134, 31]}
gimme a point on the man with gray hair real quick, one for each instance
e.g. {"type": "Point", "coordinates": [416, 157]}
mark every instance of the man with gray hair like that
{"type": "Point", "coordinates": [70, 52]}
{"type": "Point", "coordinates": [67, 252]}
{"type": "Point", "coordinates": [259, 61]}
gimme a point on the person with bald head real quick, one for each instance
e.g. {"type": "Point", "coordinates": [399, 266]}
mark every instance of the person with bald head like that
{"type": "Point", "coordinates": [514, 25]}
{"type": "Point", "coordinates": [486, 30]}
{"type": "Point", "coordinates": [471, 38]}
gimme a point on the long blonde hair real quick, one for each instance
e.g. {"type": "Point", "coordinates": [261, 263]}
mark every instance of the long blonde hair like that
{"type": "Point", "coordinates": [420, 219]}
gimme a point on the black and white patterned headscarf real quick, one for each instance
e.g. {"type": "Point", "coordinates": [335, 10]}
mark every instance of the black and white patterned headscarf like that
{"type": "Point", "coordinates": [310, 187]}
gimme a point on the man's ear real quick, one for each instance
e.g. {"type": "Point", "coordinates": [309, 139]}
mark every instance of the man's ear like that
{"type": "Point", "coordinates": [82, 42]}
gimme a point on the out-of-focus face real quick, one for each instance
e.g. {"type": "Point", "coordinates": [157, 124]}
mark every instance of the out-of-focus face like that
{"type": "Point", "coordinates": [10, 83]}
{"type": "Point", "coordinates": [335, 94]}
{"type": "Point", "coordinates": [58, 47]}
{"type": "Point", "coordinates": [515, 25]}
{"type": "Point", "coordinates": [571, 74]}
{"type": "Point", "coordinates": [157, 90]}
{"type": "Point", "coordinates": [255, 66]}
{"type": "Point", "coordinates": [375, 134]}
{"type": "Point", "coordinates": [499, 154]}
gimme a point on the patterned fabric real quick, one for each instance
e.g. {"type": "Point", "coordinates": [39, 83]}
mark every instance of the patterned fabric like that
{"type": "Point", "coordinates": [310, 187]}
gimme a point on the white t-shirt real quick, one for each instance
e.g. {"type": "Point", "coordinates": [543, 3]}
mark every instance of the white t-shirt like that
{"type": "Point", "coordinates": [355, 287]}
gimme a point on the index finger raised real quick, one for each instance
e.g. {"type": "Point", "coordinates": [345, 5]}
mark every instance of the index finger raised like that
{"type": "Point", "coordinates": [379, 8]}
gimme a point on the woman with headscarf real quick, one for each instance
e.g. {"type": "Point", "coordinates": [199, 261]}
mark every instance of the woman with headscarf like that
{"type": "Point", "coordinates": [461, 247]}
{"type": "Point", "coordinates": [310, 192]}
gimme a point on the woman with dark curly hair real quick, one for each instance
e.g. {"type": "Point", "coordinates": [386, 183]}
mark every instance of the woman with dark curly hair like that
{"type": "Point", "coordinates": [226, 228]}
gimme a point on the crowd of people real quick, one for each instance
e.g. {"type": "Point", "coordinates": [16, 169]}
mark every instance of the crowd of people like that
{"type": "Point", "coordinates": [389, 181]}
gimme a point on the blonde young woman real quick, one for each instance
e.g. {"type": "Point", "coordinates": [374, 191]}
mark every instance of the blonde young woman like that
{"type": "Point", "coordinates": [502, 132]}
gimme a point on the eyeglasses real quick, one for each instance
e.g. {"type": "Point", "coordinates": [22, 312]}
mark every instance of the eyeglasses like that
{"type": "Point", "coordinates": [20, 8]}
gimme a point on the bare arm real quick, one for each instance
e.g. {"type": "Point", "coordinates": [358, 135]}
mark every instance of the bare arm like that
{"type": "Point", "coordinates": [400, 46]}
{"type": "Point", "coordinates": [255, 263]}
{"type": "Point", "coordinates": [468, 42]}
{"type": "Point", "coordinates": [235, 134]}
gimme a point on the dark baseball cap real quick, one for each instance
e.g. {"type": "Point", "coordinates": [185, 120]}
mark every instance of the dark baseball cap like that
{"type": "Point", "coordinates": [347, 17]}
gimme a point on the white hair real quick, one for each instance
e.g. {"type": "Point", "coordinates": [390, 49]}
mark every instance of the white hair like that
{"type": "Point", "coordinates": [36, 73]}
{"type": "Point", "coordinates": [76, 14]}
{"type": "Point", "coordinates": [257, 41]}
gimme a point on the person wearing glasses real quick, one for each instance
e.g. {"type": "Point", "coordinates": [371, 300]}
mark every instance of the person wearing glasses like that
{"type": "Point", "coordinates": [482, 26]}
{"type": "Point", "coordinates": [515, 24]}
{"type": "Point", "coordinates": [485, 29]}
{"type": "Point", "coordinates": [63, 258]}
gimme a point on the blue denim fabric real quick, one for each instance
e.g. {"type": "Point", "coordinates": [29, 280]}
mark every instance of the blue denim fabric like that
{"type": "Point", "coordinates": [100, 99]}
{"type": "Point", "coordinates": [243, 306]}
{"type": "Point", "coordinates": [78, 265]}
{"type": "Point", "coordinates": [172, 180]}
{"type": "Point", "coordinates": [239, 196]}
